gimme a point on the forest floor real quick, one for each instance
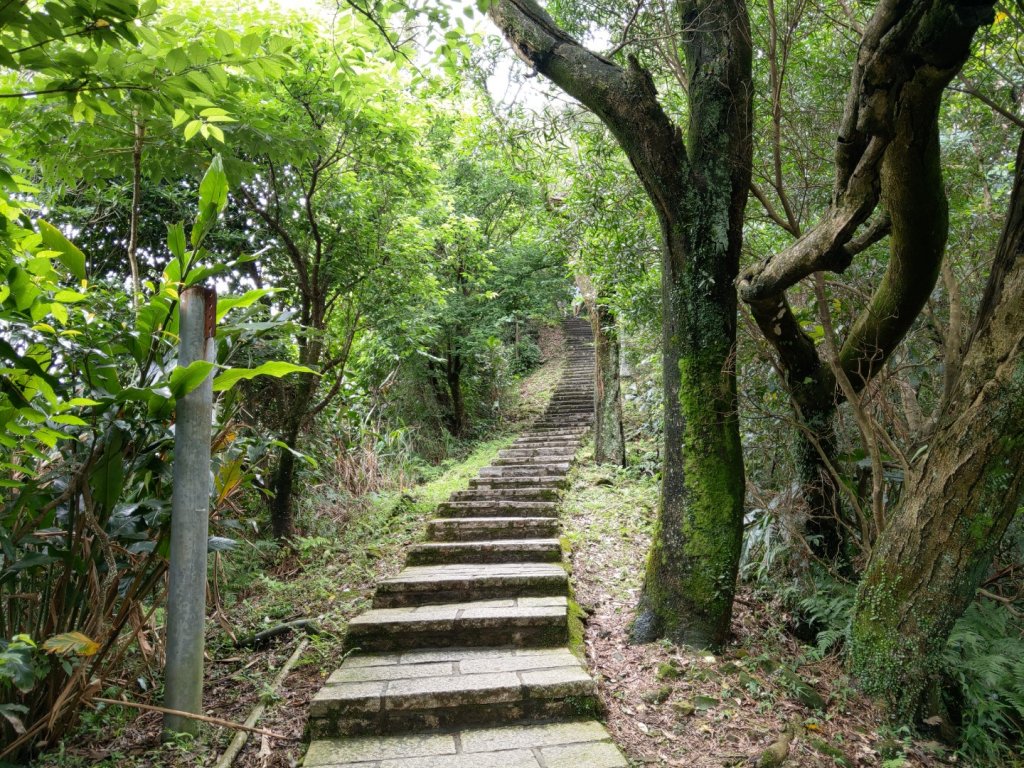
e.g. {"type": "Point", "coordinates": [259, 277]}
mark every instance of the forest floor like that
{"type": "Point", "coordinates": [329, 576]}
{"type": "Point", "coordinates": [672, 706]}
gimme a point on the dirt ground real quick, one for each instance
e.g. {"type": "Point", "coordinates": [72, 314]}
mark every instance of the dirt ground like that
{"type": "Point", "coordinates": [671, 706]}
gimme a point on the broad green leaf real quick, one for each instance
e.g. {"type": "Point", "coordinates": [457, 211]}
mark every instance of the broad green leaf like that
{"type": "Point", "coordinates": [70, 256]}
{"type": "Point", "coordinates": [232, 376]}
{"type": "Point", "coordinates": [176, 239]}
{"type": "Point", "coordinates": [184, 379]}
{"type": "Point", "coordinates": [213, 189]}
{"type": "Point", "coordinates": [226, 303]}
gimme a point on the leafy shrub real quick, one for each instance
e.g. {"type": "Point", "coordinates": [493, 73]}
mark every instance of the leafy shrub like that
{"type": "Point", "coordinates": [525, 355]}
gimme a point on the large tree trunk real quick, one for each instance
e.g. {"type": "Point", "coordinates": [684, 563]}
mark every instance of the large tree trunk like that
{"type": "Point", "coordinates": [888, 150]}
{"type": "Point", "coordinates": [609, 439]}
{"type": "Point", "coordinates": [928, 563]}
{"type": "Point", "coordinates": [699, 190]}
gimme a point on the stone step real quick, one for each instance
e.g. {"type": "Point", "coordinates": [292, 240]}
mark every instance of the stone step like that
{"type": "Point", "coordinates": [437, 689]}
{"type": "Point", "coordinates": [490, 528]}
{"type": "Point", "coordinates": [558, 440]}
{"type": "Point", "coordinates": [497, 508]}
{"type": "Point", "coordinates": [568, 448]}
{"type": "Point", "coordinates": [436, 584]}
{"type": "Point", "coordinates": [521, 622]}
{"type": "Point", "coordinates": [533, 461]}
{"type": "Point", "coordinates": [562, 430]}
{"type": "Point", "coordinates": [506, 494]}
{"type": "Point", "coordinates": [546, 481]}
{"type": "Point", "coordinates": [565, 437]}
{"type": "Point", "coordinates": [579, 744]}
{"type": "Point", "coordinates": [557, 453]}
{"type": "Point", "coordinates": [531, 469]}
{"type": "Point", "coordinates": [485, 551]}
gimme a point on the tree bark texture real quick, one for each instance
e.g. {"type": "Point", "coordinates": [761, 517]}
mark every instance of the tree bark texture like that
{"type": "Point", "coordinates": [698, 188]}
{"type": "Point", "coordinates": [930, 560]}
{"type": "Point", "coordinates": [609, 439]}
{"type": "Point", "coordinates": [887, 151]}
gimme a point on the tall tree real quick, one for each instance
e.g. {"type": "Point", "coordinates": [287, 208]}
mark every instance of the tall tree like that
{"type": "Point", "coordinates": [938, 547]}
{"type": "Point", "coordinates": [887, 154]}
{"type": "Point", "coordinates": [698, 187]}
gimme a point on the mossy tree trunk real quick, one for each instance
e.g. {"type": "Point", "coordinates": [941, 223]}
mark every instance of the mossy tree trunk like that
{"type": "Point", "coordinates": [699, 189]}
{"type": "Point", "coordinates": [609, 438]}
{"type": "Point", "coordinates": [930, 560]}
{"type": "Point", "coordinates": [887, 151]}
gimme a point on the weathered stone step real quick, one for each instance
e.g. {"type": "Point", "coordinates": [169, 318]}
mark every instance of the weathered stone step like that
{"type": "Point", "coordinates": [567, 440]}
{"type": "Point", "coordinates": [542, 481]}
{"type": "Point", "coordinates": [521, 622]}
{"type": "Point", "coordinates": [581, 420]}
{"type": "Point", "coordinates": [557, 462]}
{"type": "Point", "coordinates": [490, 528]}
{"type": "Point", "coordinates": [506, 494]}
{"type": "Point", "coordinates": [531, 469]}
{"type": "Point", "coordinates": [435, 584]}
{"type": "Point", "coordinates": [497, 508]}
{"type": "Point", "coordinates": [428, 690]}
{"type": "Point", "coordinates": [530, 438]}
{"type": "Point", "coordinates": [485, 551]}
{"type": "Point", "coordinates": [563, 453]}
{"type": "Point", "coordinates": [580, 744]}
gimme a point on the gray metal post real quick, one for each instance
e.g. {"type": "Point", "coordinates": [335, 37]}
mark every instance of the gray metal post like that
{"type": "Point", "coordinates": [190, 513]}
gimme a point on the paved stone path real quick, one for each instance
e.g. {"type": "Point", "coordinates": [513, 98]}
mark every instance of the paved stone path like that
{"type": "Point", "coordinates": [463, 661]}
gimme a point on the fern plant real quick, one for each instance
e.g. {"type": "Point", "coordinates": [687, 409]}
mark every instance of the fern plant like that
{"type": "Point", "coordinates": [984, 669]}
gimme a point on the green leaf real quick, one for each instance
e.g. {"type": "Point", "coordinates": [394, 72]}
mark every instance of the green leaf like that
{"type": "Point", "coordinates": [107, 478]}
{"type": "Point", "coordinates": [184, 379]}
{"type": "Point", "coordinates": [232, 376]}
{"type": "Point", "coordinates": [70, 256]}
{"type": "Point", "coordinates": [192, 129]}
{"type": "Point", "coordinates": [176, 239]}
{"type": "Point", "coordinates": [213, 189]}
{"type": "Point", "coordinates": [226, 303]}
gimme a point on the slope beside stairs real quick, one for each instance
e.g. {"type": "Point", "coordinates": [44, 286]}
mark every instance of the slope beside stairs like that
{"type": "Point", "coordinates": [463, 662]}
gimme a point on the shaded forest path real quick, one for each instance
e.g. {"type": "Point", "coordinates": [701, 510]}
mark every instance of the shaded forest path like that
{"type": "Point", "coordinates": [463, 659]}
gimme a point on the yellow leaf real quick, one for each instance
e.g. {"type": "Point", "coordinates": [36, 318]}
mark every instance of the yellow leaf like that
{"type": "Point", "coordinates": [71, 642]}
{"type": "Point", "coordinates": [1001, 17]}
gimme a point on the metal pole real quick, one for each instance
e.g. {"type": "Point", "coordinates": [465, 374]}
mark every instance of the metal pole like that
{"type": "Point", "coordinates": [190, 514]}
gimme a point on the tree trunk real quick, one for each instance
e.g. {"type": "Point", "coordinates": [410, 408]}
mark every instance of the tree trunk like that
{"type": "Point", "coordinates": [282, 523]}
{"type": "Point", "coordinates": [699, 191]}
{"type": "Point", "coordinates": [282, 520]}
{"type": "Point", "coordinates": [609, 440]}
{"type": "Point", "coordinates": [928, 563]}
{"type": "Point", "coordinates": [136, 207]}
{"type": "Point", "coordinates": [453, 377]}
{"type": "Point", "coordinates": [888, 149]}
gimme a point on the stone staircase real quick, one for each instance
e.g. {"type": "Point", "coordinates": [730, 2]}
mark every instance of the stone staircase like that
{"type": "Point", "coordinates": [462, 662]}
